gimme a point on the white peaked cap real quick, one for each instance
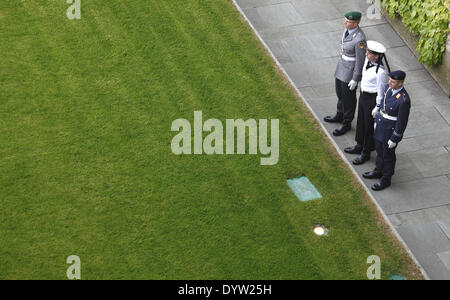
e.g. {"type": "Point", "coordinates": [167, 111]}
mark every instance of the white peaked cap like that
{"type": "Point", "coordinates": [375, 47]}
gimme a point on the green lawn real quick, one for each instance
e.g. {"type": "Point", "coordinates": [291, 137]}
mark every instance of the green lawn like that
{"type": "Point", "coordinates": [86, 166]}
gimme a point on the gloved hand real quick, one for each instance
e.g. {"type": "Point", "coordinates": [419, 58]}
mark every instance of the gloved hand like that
{"type": "Point", "coordinates": [352, 85]}
{"type": "Point", "coordinates": [391, 144]}
{"type": "Point", "coordinates": [375, 111]}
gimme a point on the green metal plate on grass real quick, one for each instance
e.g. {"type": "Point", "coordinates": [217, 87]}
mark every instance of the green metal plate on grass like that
{"type": "Point", "coordinates": [396, 277]}
{"type": "Point", "coordinates": [303, 189]}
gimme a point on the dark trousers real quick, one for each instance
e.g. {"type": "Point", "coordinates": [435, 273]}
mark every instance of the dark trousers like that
{"type": "Point", "coordinates": [365, 121]}
{"type": "Point", "coordinates": [346, 105]}
{"type": "Point", "coordinates": [386, 158]}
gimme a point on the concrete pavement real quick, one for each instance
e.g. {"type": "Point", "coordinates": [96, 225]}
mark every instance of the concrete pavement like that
{"type": "Point", "coordinates": [304, 38]}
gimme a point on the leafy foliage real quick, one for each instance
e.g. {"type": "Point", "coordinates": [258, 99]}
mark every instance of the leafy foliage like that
{"type": "Point", "coordinates": [429, 20]}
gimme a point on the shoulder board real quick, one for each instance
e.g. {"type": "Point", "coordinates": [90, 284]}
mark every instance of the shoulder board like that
{"type": "Point", "coordinates": [361, 32]}
{"type": "Point", "coordinates": [405, 97]}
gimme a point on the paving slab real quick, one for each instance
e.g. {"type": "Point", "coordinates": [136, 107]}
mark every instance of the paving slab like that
{"type": "Point", "coordinates": [345, 6]}
{"type": "Point", "coordinates": [431, 227]}
{"type": "Point", "coordinates": [416, 76]}
{"type": "Point", "coordinates": [431, 162]}
{"type": "Point", "coordinates": [304, 48]}
{"type": "Point", "coordinates": [368, 22]}
{"type": "Point", "coordinates": [323, 26]}
{"type": "Point", "coordinates": [444, 110]}
{"type": "Point", "coordinates": [318, 71]}
{"type": "Point", "coordinates": [309, 92]}
{"type": "Point", "coordinates": [325, 90]}
{"type": "Point", "coordinates": [313, 11]}
{"type": "Point", "coordinates": [424, 120]}
{"type": "Point", "coordinates": [434, 240]}
{"type": "Point", "coordinates": [279, 33]}
{"type": "Point", "coordinates": [426, 93]}
{"type": "Point", "coordinates": [438, 137]}
{"type": "Point", "coordinates": [258, 3]}
{"type": "Point", "coordinates": [278, 48]}
{"type": "Point", "coordinates": [415, 195]}
{"type": "Point", "coordinates": [445, 258]}
{"type": "Point", "coordinates": [324, 107]}
{"type": "Point", "coordinates": [304, 37]}
{"type": "Point", "coordinates": [275, 15]}
{"type": "Point", "coordinates": [439, 214]}
{"type": "Point", "coordinates": [406, 169]}
{"type": "Point", "coordinates": [385, 34]}
{"type": "Point", "coordinates": [311, 46]}
{"type": "Point", "coordinates": [435, 267]}
{"type": "Point", "coordinates": [445, 226]}
{"type": "Point", "coordinates": [402, 58]}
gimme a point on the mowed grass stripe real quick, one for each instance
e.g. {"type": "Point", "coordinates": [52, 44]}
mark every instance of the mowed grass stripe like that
{"type": "Point", "coordinates": [87, 167]}
{"type": "Point", "coordinates": [207, 99]}
{"type": "Point", "coordinates": [194, 205]}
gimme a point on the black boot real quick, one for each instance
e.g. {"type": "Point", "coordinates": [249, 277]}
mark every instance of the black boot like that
{"type": "Point", "coordinates": [346, 126]}
{"type": "Point", "coordinates": [357, 149]}
{"type": "Point", "coordinates": [362, 158]}
{"type": "Point", "coordinates": [338, 118]}
{"type": "Point", "coordinates": [375, 174]}
{"type": "Point", "coordinates": [382, 184]}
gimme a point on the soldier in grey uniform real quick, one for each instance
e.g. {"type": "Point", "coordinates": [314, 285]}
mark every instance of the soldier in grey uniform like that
{"type": "Point", "coordinates": [349, 72]}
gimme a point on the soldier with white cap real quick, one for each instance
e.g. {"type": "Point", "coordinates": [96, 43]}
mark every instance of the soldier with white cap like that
{"type": "Point", "coordinates": [373, 83]}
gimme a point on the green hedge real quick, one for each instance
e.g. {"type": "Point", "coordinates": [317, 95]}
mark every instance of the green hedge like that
{"type": "Point", "coordinates": [429, 20]}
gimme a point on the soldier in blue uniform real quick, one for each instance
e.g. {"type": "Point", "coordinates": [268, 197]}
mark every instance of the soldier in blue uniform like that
{"type": "Point", "coordinates": [391, 120]}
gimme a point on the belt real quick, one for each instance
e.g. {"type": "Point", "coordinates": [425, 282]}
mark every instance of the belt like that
{"type": "Point", "coordinates": [386, 116]}
{"type": "Point", "coordinates": [348, 58]}
{"type": "Point", "coordinates": [370, 93]}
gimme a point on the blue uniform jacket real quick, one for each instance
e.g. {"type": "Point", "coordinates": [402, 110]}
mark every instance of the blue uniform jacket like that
{"type": "Point", "coordinates": [397, 105]}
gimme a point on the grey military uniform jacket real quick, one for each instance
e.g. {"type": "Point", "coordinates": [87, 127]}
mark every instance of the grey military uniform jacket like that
{"type": "Point", "coordinates": [353, 55]}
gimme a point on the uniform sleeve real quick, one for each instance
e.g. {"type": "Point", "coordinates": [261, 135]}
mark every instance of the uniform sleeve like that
{"type": "Point", "coordinates": [381, 86]}
{"type": "Point", "coordinates": [402, 119]}
{"type": "Point", "coordinates": [360, 51]}
{"type": "Point", "coordinates": [385, 90]}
